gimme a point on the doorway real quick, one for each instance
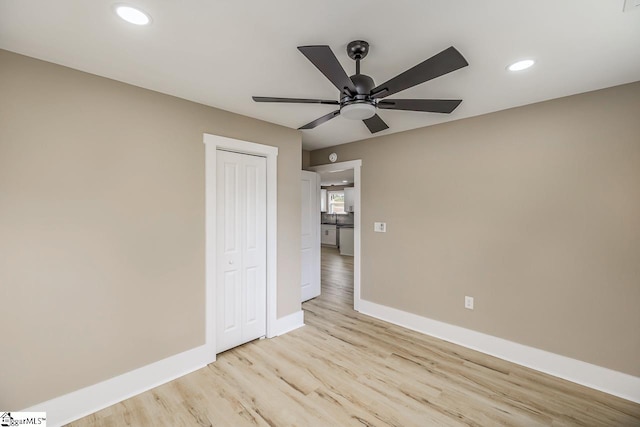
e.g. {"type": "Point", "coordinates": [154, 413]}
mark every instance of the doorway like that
{"type": "Point", "coordinates": [330, 253]}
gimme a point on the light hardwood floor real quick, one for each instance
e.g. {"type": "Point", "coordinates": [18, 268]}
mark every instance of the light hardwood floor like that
{"type": "Point", "coordinates": [347, 369]}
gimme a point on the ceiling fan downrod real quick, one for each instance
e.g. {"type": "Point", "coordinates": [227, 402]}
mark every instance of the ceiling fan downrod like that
{"type": "Point", "coordinates": [357, 50]}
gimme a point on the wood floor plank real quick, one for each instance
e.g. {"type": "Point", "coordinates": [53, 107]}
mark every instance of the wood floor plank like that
{"type": "Point", "coordinates": [347, 369]}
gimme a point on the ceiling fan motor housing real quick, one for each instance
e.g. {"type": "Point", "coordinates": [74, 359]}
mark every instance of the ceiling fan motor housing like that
{"type": "Point", "coordinates": [359, 105]}
{"type": "Point", "coordinates": [357, 50]}
{"type": "Point", "coordinates": [363, 83]}
{"type": "Point", "coordinates": [361, 101]}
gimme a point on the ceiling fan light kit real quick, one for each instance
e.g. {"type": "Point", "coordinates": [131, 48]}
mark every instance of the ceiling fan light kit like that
{"type": "Point", "coordinates": [358, 111]}
{"type": "Point", "coordinates": [360, 97]}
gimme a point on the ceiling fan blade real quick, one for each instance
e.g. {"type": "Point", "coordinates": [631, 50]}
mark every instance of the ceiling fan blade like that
{"type": "Point", "coordinates": [443, 63]}
{"type": "Point", "coordinates": [426, 105]}
{"type": "Point", "coordinates": [321, 120]}
{"type": "Point", "coordinates": [375, 124]}
{"type": "Point", "coordinates": [324, 59]}
{"type": "Point", "coordinates": [294, 100]}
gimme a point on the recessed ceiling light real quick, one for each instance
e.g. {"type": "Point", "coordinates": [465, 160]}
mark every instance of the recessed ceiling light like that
{"type": "Point", "coordinates": [345, 181]}
{"type": "Point", "coordinates": [521, 65]}
{"type": "Point", "coordinates": [132, 15]}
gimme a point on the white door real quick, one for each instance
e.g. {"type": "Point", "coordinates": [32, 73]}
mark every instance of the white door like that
{"type": "Point", "coordinates": [241, 285]}
{"type": "Point", "coordinates": [310, 186]}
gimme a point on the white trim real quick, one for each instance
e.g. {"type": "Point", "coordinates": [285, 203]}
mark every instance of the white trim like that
{"type": "Point", "coordinates": [212, 144]}
{"type": "Point", "coordinates": [356, 236]}
{"type": "Point", "coordinates": [596, 377]}
{"type": "Point", "coordinates": [334, 167]}
{"type": "Point", "coordinates": [80, 403]}
{"type": "Point", "coordinates": [356, 165]}
{"type": "Point", "coordinates": [210, 242]}
{"type": "Point", "coordinates": [290, 322]}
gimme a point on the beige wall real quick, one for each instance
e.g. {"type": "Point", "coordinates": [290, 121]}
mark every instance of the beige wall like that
{"type": "Point", "coordinates": [102, 225]}
{"type": "Point", "coordinates": [306, 159]}
{"type": "Point", "coordinates": [534, 211]}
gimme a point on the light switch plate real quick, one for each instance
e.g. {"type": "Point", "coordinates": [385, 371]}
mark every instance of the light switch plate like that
{"type": "Point", "coordinates": [380, 227]}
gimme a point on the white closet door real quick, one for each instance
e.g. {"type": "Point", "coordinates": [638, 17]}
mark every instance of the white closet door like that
{"type": "Point", "coordinates": [241, 296]}
{"type": "Point", "coordinates": [310, 196]}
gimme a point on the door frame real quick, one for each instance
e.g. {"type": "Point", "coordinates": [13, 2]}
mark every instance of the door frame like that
{"type": "Point", "coordinates": [356, 165]}
{"type": "Point", "coordinates": [213, 143]}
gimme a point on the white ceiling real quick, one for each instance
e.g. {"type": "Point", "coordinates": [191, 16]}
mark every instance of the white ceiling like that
{"type": "Point", "coordinates": [336, 177]}
{"type": "Point", "coordinates": [221, 52]}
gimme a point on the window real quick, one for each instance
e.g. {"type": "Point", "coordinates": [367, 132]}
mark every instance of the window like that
{"type": "Point", "coordinates": [336, 202]}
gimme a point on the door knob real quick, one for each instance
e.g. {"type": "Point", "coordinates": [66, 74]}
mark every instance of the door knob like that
{"type": "Point", "coordinates": [230, 262]}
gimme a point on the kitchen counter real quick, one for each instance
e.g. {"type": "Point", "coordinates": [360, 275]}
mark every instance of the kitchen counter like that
{"type": "Point", "coordinates": [338, 225]}
{"type": "Point", "coordinates": [330, 234]}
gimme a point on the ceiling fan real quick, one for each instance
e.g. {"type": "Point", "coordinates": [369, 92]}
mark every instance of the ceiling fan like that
{"type": "Point", "coordinates": [359, 96]}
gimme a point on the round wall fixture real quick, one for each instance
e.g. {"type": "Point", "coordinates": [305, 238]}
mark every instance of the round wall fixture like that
{"type": "Point", "coordinates": [333, 157]}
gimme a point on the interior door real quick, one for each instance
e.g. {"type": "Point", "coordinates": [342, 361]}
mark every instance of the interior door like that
{"type": "Point", "coordinates": [241, 281]}
{"type": "Point", "coordinates": [310, 196]}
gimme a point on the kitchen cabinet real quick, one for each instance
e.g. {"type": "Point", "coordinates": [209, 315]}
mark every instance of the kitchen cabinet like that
{"type": "Point", "coordinates": [323, 200]}
{"type": "Point", "coordinates": [349, 199]}
{"type": "Point", "coordinates": [328, 235]}
{"type": "Point", "coordinates": [346, 241]}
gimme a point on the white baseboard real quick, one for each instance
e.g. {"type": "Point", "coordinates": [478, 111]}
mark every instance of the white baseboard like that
{"type": "Point", "coordinates": [596, 377]}
{"type": "Point", "coordinates": [80, 403]}
{"type": "Point", "coordinates": [75, 405]}
{"type": "Point", "coordinates": [290, 322]}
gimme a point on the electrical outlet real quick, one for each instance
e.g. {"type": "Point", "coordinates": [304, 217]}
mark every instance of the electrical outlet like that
{"type": "Point", "coordinates": [468, 303]}
{"type": "Point", "coordinates": [380, 227]}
